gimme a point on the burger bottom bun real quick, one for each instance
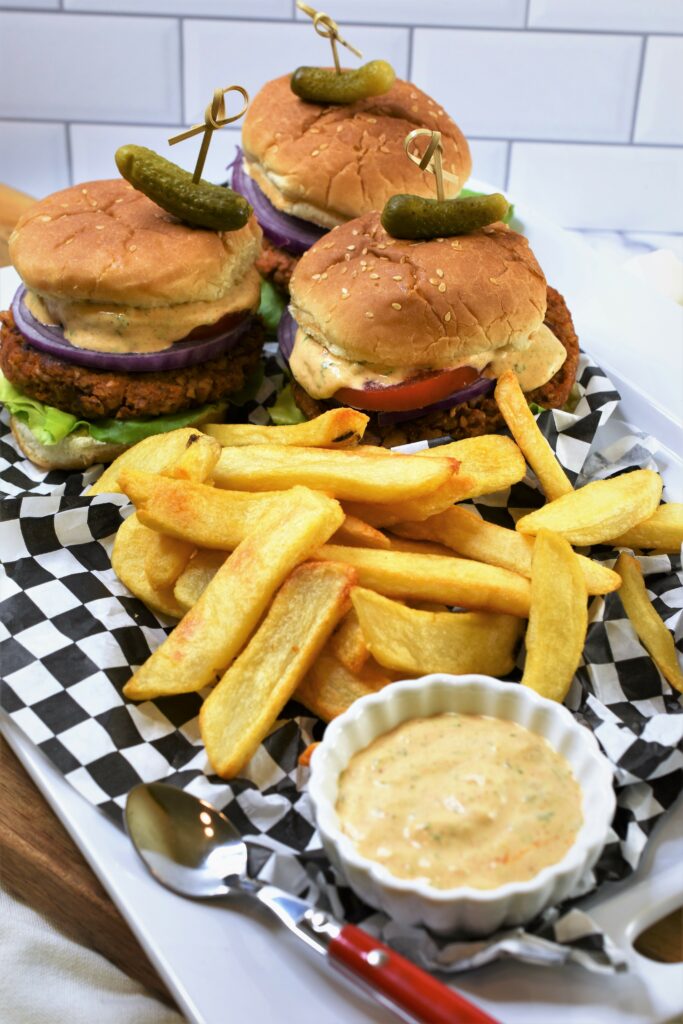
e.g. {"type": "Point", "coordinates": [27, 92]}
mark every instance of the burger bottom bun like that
{"type": "Point", "coordinates": [78, 450]}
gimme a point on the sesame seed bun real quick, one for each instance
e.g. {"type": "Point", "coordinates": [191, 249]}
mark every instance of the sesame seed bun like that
{"type": "Point", "coordinates": [103, 241]}
{"type": "Point", "coordinates": [375, 299]}
{"type": "Point", "coordinates": [328, 164]}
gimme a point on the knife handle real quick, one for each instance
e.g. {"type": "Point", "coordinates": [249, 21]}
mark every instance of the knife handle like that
{"type": "Point", "coordinates": [401, 982]}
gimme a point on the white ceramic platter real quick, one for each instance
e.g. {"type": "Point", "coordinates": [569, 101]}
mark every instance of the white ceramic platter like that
{"type": "Point", "coordinates": [231, 965]}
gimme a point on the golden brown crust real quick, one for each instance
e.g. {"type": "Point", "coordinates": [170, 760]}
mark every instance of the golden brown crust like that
{"type": "Point", "coordinates": [369, 297]}
{"type": "Point", "coordinates": [103, 241]}
{"type": "Point", "coordinates": [328, 164]}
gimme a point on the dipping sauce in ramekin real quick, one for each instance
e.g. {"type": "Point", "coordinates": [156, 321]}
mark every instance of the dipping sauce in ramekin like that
{"type": "Point", "coordinates": [460, 799]}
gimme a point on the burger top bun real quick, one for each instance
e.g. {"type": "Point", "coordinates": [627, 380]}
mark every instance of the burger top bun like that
{"type": "Point", "coordinates": [328, 164]}
{"type": "Point", "coordinates": [369, 297]}
{"type": "Point", "coordinates": [103, 241]}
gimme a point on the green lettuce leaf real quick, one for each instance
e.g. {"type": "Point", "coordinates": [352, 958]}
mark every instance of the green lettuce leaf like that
{"type": "Point", "coordinates": [132, 431]}
{"type": "Point", "coordinates": [49, 425]}
{"type": "Point", "coordinates": [285, 410]}
{"type": "Point", "coordinates": [272, 306]}
{"type": "Point", "coordinates": [465, 192]}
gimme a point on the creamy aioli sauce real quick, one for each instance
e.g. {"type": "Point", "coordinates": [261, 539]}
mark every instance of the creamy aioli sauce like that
{"type": "Point", "coordinates": [460, 800]}
{"type": "Point", "coordinates": [119, 328]}
{"type": "Point", "coordinates": [322, 373]}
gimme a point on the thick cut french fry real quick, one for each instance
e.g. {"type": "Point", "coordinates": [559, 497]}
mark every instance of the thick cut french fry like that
{"type": "Point", "coordinates": [155, 454]}
{"type": "Point", "coordinates": [357, 534]}
{"type": "Point", "coordinates": [458, 488]}
{"type": "Point", "coordinates": [207, 517]}
{"type": "Point", "coordinates": [165, 559]}
{"type": "Point", "coordinates": [241, 709]}
{"type": "Point", "coordinates": [198, 459]}
{"type": "Point", "coordinates": [663, 531]}
{"type": "Point", "coordinates": [599, 511]}
{"type": "Point", "coordinates": [650, 629]}
{"type": "Point", "coordinates": [453, 581]}
{"type": "Point", "coordinates": [197, 575]}
{"type": "Point", "coordinates": [348, 644]}
{"type": "Point", "coordinates": [329, 689]}
{"type": "Point", "coordinates": [417, 547]}
{"type": "Point", "coordinates": [417, 642]}
{"type": "Point", "coordinates": [342, 474]}
{"type": "Point", "coordinates": [558, 618]}
{"type": "Point", "coordinates": [128, 562]}
{"type": "Point", "coordinates": [338, 428]}
{"type": "Point", "coordinates": [523, 427]}
{"type": "Point", "coordinates": [217, 627]}
{"type": "Point", "coordinates": [492, 462]}
{"type": "Point", "coordinates": [465, 533]}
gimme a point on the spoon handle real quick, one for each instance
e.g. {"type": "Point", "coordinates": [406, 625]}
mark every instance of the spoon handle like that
{"type": "Point", "coordinates": [401, 982]}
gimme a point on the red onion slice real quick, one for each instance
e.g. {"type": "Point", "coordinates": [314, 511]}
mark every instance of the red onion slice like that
{"type": "Point", "coordinates": [181, 354]}
{"type": "Point", "coordinates": [481, 386]}
{"type": "Point", "coordinates": [285, 232]}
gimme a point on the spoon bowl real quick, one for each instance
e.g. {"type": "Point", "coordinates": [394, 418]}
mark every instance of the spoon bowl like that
{"type": "Point", "coordinates": [187, 844]}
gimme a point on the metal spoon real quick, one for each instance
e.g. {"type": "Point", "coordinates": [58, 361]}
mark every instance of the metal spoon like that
{"type": "Point", "coordinates": [194, 850]}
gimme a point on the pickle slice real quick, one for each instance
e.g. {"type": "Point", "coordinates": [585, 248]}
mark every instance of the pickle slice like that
{"type": "Point", "coordinates": [170, 187]}
{"type": "Point", "coordinates": [406, 216]}
{"type": "Point", "coordinates": [325, 85]}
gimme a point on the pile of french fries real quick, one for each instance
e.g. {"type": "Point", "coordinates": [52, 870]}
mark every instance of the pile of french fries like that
{"type": "Point", "coordinates": [304, 564]}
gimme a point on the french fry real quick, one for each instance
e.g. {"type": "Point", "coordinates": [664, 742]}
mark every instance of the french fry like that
{"type": "Point", "coordinates": [663, 531]}
{"type": "Point", "coordinates": [240, 710]}
{"type": "Point", "coordinates": [338, 428]}
{"type": "Point", "coordinates": [348, 644]}
{"type": "Point", "coordinates": [196, 576]}
{"type": "Point", "coordinates": [128, 562]}
{"type": "Point", "coordinates": [453, 581]}
{"type": "Point", "coordinates": [216, 628]}
{"type": "Point", "coordinates": [197, 461]}
{"type": "Point", "coordinates": [357, 534]}
{"type": "Point", "coordinates": [417, 547]}
{"type": "Point", "coordinates": [650, 629]}
{"type": "Point", "coordinates": [599, 511]}
{"type": "Point", "coordinates": [458, 488]}
{"type": "Point", "coordinates": [525, 430]}
{"type": "Point", "coordinates": [207, 517]}
{"type": "Point", "coordinates": [343, 474]}
{"type": "Point", "coordinates": [558, 618]}
{"type": "Point", "coordinates": [465, 533]}
{"type": "Point", "coordinates": [155, 454]}
{"type": "Point", "coordinates": [165, 559]}
{"type": "Point", "coordinates": [492, 462]}
{"type": "Point", "coordinates": [418, 642]}
{"type": "Point", "coordinates": [329, 689]}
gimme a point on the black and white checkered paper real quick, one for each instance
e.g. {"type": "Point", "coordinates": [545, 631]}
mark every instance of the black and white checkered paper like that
{"type": "Point", "coordinates": [71, 635]}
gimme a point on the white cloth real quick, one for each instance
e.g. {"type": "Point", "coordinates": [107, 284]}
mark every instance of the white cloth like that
{"type": "Point", "coordinates": [46, 978]}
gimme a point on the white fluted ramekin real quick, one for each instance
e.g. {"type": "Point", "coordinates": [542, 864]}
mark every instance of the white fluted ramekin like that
{"type": "Point", "coordinates": [464, 909]}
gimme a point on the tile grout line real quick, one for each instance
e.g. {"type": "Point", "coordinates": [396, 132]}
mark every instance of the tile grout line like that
{"type": "Point", "coordinates": [409, 63]}
{"type": "Point", "coordinates": [181, 61]}
{"type": "Point", "coordinates": [508, 161]}
{"type": "Point", "coordinates": [69, 153]}
{"type": "Point", "coordinates": [639, 83]}
{"type": "Point", "coordinates": [526, 14]}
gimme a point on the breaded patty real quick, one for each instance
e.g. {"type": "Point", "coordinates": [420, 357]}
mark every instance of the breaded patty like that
{"type": "Point", "coordinates": [276, 264]}
{"type": "Point", "coordinates": [96, 394]}
{"type": "Point", "coordinates": [481, 415]}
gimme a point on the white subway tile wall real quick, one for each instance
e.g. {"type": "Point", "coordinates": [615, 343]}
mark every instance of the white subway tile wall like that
{"type": "Point", "coordinates": [573, 106]}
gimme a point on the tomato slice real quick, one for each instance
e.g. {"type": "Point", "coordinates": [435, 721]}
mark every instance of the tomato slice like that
{"type": "Point", "coordinates": [415, 393]}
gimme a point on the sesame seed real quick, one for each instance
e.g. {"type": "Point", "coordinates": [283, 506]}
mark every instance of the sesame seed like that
{"type": "Point", "coordinates": [316, 152]}
{"type": "Point", "coordinates": [354, 273]}
{"type": "Point", "coordinates": [384, 149]}
{"type": "Point", "coordinates": [84, 191]}
{"type": "Point", "coordinates": [354, 231]}
{"type": "Point", "coordinates": [447, 318]}
{"type": "Point", "coordinates": [340, 127]}
{"type": "Point", "coordinates": [68, 241]}
{"type": "Point", "coordinates": [455, 245]}
{"type": "Point", "coordinates": [364, 252]}
{"type": "Point", "coordinates": [45, 218]}
{"type": "Point", "coordinates": [439, 272]}
{"type": "Point", "coordinates": [323, 277]}
{"type": "Point", "coordinates": [345, 296]}
{"type": "Point", "coordinates": [99, 227]}
{"type": "Point", "coordinates": [381, 246]}
{"type": "Point", "coordinates": [440, 111]}
{"type": "Point", "coordinates": [395, 305]}
{"type": "Point", "coordinates": [323, 145]}
{"type": "Point", "coordinates": [384, 259]}
{"type": "Point", "coordinates": [350, 247]}
{"type": "Point", "coordinates": [413, 95]}
{"type": "Point", "coordinates": [372, 120]}
{"type": "Point", "coordinates": [442, 287]}
{"type": "Point", "coordinates": [345, 292]}
{"type": "Point", "coordinates": [315, 131]}
{"type": "Point", "coordinates": [132, 248]}
{"type": "Point", "coordinates": [369, 315]}
{"type": "Point", "coordinates": [274, 149]}
{"type": "Point", "coordinates": [397, 277]}
{"type": "Point", "coordinates": [433, 280]}
{"type": "Point", "coordinates": [344, 269]}
{"type": "Point", "coordinates": [440, 239]}
{"type": "Point", "coordinates": [316, 277]}
{"type": "Point", "coordinates": [375, 277]}
{"type": "Point", "coordinates": [432, 113]}
{"type": "Point", "coordinates": [347, 256]}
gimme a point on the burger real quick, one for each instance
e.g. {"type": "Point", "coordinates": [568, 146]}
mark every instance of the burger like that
{"type": "Point", "coordinates": [308, 167]}
{"type": "Point", "coordinates": [416, 333]}
{"type": "Point", "coordinates": [128, 323]}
